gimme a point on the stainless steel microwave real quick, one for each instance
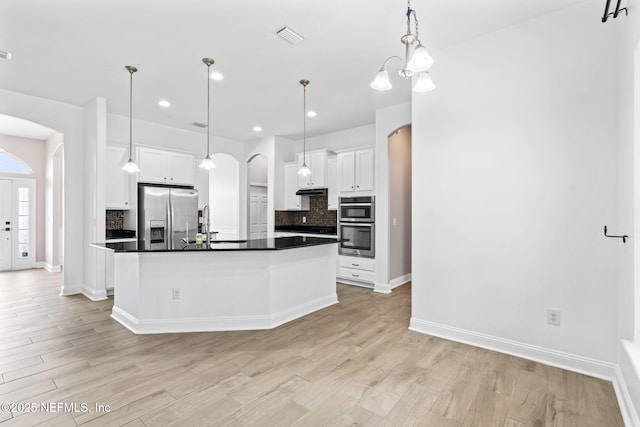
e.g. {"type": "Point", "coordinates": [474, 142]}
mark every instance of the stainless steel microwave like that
{"type": "Point", "coordinates": [357, 209]}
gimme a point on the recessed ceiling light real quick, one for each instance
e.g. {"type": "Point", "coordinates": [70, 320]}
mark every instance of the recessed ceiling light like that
{"type": "Point", "coordinates": [257, 129]}
{"type": "Point", "coordinates": [5, 55]}
{"type": "Point", "coordinates": [164, 103]}
{"type": "Point", "coordinates": [311, 114]}
{"type": "Point", "coordinates": [216, 75]}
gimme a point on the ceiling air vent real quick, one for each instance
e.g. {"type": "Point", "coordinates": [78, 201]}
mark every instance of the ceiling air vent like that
{"type": "Point", "coordinates": [289, 35]}
{"type": "Point", "coordinates": [198, 124]}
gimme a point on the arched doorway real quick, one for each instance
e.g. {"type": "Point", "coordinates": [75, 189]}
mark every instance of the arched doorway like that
{"type": "Point", "coordinates": [399, 146]}
{"type": "Point", "coordinates": [31, 151]}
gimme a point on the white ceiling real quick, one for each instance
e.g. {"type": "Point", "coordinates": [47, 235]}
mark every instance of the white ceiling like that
{"type": "Point", "coordinates": [75, 50]}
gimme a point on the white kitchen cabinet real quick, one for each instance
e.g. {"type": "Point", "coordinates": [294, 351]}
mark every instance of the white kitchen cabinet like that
{"type": "Point", "coordinates": [356, 270]}
{"type": "Point", "coordinates": [291, 201]}
{"type": "Point", "coordinates": [317, 162]}
{"type": "Point", "coordinates": [332, 183]}
{"type": "Point", "coordinates": [356, 171]}
{"type": "Point", "coordinates": [117, 191]}
{"type": "Point", "coordinates": [166, 167]}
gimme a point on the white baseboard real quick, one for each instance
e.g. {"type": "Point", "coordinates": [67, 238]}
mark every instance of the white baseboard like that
{"type": "Point", "coordinates": [399, 281]}
{"type": "Point", "coordinates": [571, 362]}
{"type": "Point", "coordinates": [627, 382]}
{"type": "Point", "coordinates": [220, 323]}
{"type": "Point", "coordinates": [627, 409]}
{"type": "Point", "coordinates": [95, 295]}
{"type": "Point", "coordinates": [386, 288]}
{"type": "Point", "coordinates": [50, 268]}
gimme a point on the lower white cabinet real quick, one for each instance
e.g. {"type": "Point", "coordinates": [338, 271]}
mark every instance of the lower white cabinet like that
{"type": "Point", "coordinates": [356, 269]}
{"type": "Point", "coordinates": [108, 272]}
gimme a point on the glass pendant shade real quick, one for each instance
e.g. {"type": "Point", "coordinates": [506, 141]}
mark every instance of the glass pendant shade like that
{"type": "Point", "coordinates": [304, 170]}
{"type": "Point", "coordinates": [381, 82]}
{"type": "Point", "coordinates": [130, 166]}
{"type": "Point", "coordinates": [424, 83]}
{"type": "Point", "coordinates": [207, 163]}
{"type": "Point", "coordinates": [420, 59]}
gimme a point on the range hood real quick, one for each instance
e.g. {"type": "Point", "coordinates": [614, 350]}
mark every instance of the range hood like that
{"type": "Point", "coordinates": [312, 192]}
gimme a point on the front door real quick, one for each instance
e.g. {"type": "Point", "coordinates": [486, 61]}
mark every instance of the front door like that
{"type": "Point", "coordinates": [6, 204]}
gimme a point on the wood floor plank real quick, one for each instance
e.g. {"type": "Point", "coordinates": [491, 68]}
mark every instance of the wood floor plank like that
{"type": "Point", "coordinates": [354, 363]}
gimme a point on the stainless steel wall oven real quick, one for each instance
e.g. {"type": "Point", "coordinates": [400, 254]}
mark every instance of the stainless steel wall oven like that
{"type": "Point", "coordinates": [356, 229]}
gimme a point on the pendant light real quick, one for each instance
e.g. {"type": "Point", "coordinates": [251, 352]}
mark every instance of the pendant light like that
{"type": "Point", "coordinates": [304, 169]}
{"type": "Point", "coordinates": [207, 162]}
{"type": "Point", "coordinates": [130, 166]}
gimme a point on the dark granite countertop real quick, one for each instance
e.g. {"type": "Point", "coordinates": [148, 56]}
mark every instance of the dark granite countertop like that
{"type": "Point", "coordinates": [276, 244]}
{"type": "Point", "coordinates": [307, 229]}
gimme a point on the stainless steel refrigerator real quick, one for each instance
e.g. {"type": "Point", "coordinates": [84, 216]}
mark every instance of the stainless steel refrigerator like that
{"type": "Point", "coordinates": [167, 216]}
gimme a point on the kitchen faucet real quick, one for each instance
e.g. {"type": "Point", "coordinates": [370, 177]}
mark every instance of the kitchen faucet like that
{"type": "Point", "coordinates": [207, 223]}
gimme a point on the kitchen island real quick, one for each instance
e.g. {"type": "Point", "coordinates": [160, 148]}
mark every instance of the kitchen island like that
{"type": "Point", "coordinates": [232, 285]}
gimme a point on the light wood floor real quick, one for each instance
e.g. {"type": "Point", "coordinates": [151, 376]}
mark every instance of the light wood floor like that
{"type": "Point", "coordinates": [355, 363]}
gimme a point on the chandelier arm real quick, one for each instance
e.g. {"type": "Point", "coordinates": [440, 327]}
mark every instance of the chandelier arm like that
{"type": "Point", "coordinates": [384, 64]}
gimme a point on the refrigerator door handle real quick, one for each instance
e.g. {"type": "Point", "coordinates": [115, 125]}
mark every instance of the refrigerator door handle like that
{"type": "Point", "coordinates": [170, 222]}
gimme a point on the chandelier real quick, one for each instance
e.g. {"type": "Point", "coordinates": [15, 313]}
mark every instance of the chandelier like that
{"type": "Point", "coordinates": [416, 59]}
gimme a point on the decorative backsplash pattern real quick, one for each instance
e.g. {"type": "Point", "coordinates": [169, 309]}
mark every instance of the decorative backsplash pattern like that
{"type": "Point", "coordinates": [115, 220]}
{"type": "Point", "coordinates": [317, 215]}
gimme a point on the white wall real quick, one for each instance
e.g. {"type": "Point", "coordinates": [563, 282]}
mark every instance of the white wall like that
{"type": "Point", "coordinates": [224, 196]}
{"type": "Point", "coordinates": [68, 120]}
{"type": "Point", "coordinates": [628, 47]}
{"type": "Point", "coordinates": [400, 205]}
{"type": "Point", "coordinates": [516, 157]}
{"type": "Point", "coordinates": [94, 197]}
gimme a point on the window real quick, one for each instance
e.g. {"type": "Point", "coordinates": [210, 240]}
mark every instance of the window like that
{"type": "Point", "coordinates": [11, 164]}
{"type": "Point", "coordinates": [23, 222]}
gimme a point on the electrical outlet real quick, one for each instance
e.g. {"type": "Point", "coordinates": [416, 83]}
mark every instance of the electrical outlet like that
{"type": "Point", "coordinates": [175, 293]}
{"type": "Point", "coordinates": [304, 219]}
{"type": "Point", "coordinates": [553, 316]}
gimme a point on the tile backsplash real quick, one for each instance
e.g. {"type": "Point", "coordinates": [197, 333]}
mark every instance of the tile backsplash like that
{"type": "Point", "coordinates": [317, 215]}
{"type": "Point", "coordinates": [115, 220]}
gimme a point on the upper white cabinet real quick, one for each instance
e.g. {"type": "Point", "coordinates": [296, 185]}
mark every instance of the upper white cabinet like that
{"type": "Point", "coordinates": [118, 193]}
{"type": "Point", "coordinates": [356, 171]}
{"type": "Point", "coordinates": [291, 201]}
{"type": "Point", "coordinates": [332, 183]}
{"type": "Point", "coordinates": [317, 162]}
{"type": "Point", "coordinates": [166, 167]}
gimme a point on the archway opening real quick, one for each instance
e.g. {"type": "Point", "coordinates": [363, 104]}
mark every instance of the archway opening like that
{"type": "Point", "coordinates": [399, 146]}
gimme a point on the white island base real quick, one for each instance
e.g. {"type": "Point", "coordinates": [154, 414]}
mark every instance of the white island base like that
{"type": "Point", "coordinates": [161, 292]}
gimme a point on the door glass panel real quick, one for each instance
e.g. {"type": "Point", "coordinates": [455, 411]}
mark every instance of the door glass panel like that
{"type": "Point", "coordinates": [23, 222]}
